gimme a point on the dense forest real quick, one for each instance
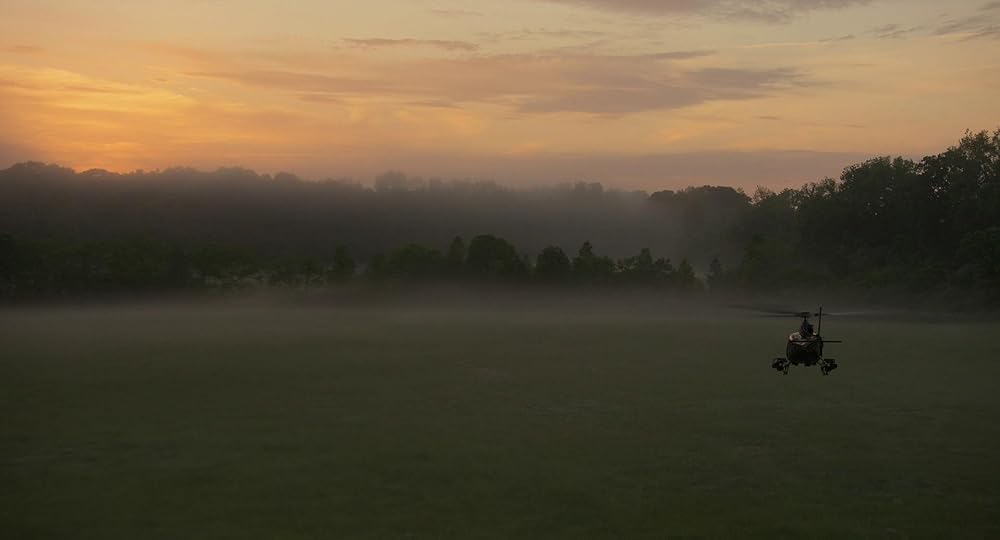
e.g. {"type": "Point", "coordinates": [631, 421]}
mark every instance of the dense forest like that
{"type": "Point", "coordinates": [888, 224]}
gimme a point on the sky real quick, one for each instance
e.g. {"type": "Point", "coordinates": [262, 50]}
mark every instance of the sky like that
{"type": "Point", "coordinates": [636, 94]}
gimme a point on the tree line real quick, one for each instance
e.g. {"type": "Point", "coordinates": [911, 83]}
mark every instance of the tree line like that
{"type": "Point", "coordinates": [892, 224]}
{"type": "Point", "coordinates": [887, 224]}
{"type": "Point", "coordinates": [59, 268]}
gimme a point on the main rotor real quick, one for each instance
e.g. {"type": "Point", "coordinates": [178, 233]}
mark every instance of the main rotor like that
{"type": "Point", "coordinates": [799, 314]}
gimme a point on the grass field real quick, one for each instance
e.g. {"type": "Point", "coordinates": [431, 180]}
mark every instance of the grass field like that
{"type": "Point", "coordinates": [306, 422]}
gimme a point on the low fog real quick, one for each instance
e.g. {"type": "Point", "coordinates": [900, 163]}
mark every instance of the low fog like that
{"type": "Point", "coordinates": [286, 215]}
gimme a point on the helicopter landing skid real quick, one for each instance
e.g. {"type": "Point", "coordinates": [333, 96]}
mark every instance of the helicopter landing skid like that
{"type": "Point", "coordinates": [782, 365]}
{"type": "Point", "coordinates": [826, 365]}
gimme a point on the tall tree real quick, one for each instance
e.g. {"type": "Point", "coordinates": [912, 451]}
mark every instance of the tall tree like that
{"type": "Point", "coordinates": [553, 266]}
{"type": "Point", "coordinates": [491, 257]}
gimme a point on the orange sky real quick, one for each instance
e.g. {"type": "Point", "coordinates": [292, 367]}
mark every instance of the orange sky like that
{"type": "Point", "coordinates": [633, 93]}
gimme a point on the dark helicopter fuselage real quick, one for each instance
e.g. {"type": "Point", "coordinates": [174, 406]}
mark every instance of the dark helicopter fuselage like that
{"type": "Point", "coordinates": [805, 351]}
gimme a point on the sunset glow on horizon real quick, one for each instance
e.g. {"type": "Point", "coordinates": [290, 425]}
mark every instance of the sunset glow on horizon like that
{"type": "Point", "coordinates": [633, 93]}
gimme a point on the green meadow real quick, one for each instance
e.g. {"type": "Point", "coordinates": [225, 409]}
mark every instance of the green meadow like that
{"type": "Point", "coordinates": [550, 421]}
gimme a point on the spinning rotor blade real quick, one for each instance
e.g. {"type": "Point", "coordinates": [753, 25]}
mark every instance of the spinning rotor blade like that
{"type": "Point", "coordinates": [872, 313]}
{"type": "Point", "coordinates": [771, 311]}
{"type": "Point", "coordinates": [767, 311]}
{"type": "Point", "coordinates": [783, 313]}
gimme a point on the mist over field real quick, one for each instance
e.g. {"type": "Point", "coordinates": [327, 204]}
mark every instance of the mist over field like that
{"type": "Point", "coordinates": [287, 215]}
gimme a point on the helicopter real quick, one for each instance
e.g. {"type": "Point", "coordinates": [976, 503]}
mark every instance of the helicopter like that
{"type": "Point", "coordinates": [805, 347]}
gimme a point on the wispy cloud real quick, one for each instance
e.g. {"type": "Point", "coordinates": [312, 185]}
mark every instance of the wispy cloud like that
{"type": "Point", "coordinates": [547, 35]}
{"type": "Point", "coordinates": [538, 83]}
{"type": "Point", "coordinates": [433, 103]}
{"type": "Point", "coordinates": [680, 55]}
{"type": "Point", "coordinates": [557, 33]}
{"type": "Point", "coordinates": [321, 98]}
{"type": "Point", "coordinates": [893, 31]}
{"type": "Point", "coordinates": [22, 49]}
{"type": "Point", "coordinates": [971, 28]}
{"type": "Point", "coordinates": [847, 37]}
{"type": "Point", "coordinates": [381, 43]}
{"type": "Point", "coordinates": [770, 11]}
{"type": "Point", "coordinates": [299, 81]}
{"type": "Point", "coordinates": [455, 13]}
{"type": "Point", "coordinates": [798, 44]}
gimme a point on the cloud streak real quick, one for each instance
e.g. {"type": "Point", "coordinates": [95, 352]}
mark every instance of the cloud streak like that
{"type": "Point", "coordinates": [893, 31]}
{"type": "Point", "coordinates": [455, 13]}
{"type": "Point", "coordinates": [383, 43]}
{"type": "Point", "coordinates": [971, 28]}
{"type": "Point", "coordinates": [537, 83]}
{"type": "Point", "coordinates": [771, 11]}
{"type": "Point", "coordinates": [22, 49]}
{"type": "Point", "coordinates": [674, 91]}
